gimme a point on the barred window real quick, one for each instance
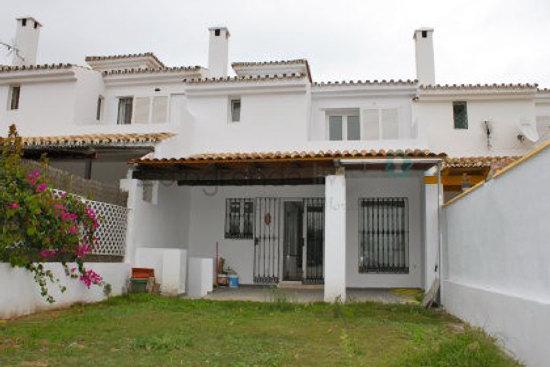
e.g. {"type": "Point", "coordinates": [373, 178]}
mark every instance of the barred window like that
{"type": "Point", "coordinates": [383, 235]}
{"type": "Point", "coordinates": [239, 218]}
{"type": "Point", "coordinates": [460, 115]}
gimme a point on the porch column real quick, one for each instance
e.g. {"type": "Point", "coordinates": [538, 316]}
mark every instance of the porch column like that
{"type": "Point", "coordinates": [335, 237]}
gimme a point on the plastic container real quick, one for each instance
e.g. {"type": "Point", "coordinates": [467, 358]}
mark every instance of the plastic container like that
{"type": "Point", "coordinates": [233, 281]}
{"type": "Point", "coordinates": [142, 273]}
{"type": "Point", "coordinates": [138, 285]}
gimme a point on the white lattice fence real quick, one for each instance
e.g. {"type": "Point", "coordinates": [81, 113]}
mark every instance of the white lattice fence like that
{"type": "Point", "coordinates": [111, 233]}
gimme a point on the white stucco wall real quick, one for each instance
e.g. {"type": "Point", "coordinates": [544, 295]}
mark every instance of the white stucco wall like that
{"type": "Point", "coordinates": [21, 296]}
{"type": "Point", "coordinates": [164, 223]}
{"type": "Point", "coordinates": [496, 257]}
{"type": "Point", "coordinates": [207, 223]}
{"type": "Point", "coordinates": [364, 185]}
{"type": "Point", "coordinates": [435, 124]}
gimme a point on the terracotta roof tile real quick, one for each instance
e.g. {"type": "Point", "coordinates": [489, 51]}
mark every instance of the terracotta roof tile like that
{"type": "Point", "coordinates": [5, 68]}
{"type": "Point", "coordinates": [151, 71]}
{"type": "Point", "coordinates": [290, 156]}
{"type": "Point", "coordinates": [366, 82]}
{"type": "Point", "coordinates": [493, 162]}
{"type": "Point", "coordinates": [93, 139]}
{"type": "Point", "coordinates": [124, 56]}
{"type": "Point", "coordinates": [248, 78]}
{"type": "Point", "coordinates": [275, 62]}
{"type": "Point", "coordinates": [479, 86]}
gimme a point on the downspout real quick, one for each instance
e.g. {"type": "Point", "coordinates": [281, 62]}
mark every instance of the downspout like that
{"type": "Point", "coordinates": [439, 230]}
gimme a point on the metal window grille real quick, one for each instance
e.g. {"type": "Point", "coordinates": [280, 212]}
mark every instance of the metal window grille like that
{"type": "Point", "coordinates": [460, 115]}
{"type": "Point", "coordinates": [383, 235]}
{"type": "Point", "coordinates": [239, 218]}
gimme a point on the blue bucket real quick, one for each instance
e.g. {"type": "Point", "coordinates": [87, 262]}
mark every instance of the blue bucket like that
{"type": "Point", "coordinates": [233, 281]}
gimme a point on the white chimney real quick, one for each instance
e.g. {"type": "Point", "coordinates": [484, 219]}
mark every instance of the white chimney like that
{"type": "Point", "coordinates": [424, 53]}
{"type": "Point", "coordinates": [218, 52]}
{"type": "Point", "coordinates": [26, 41]}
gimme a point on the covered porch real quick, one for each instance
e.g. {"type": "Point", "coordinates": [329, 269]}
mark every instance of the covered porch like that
{"type": "Point", "coordinates": [339, 220]}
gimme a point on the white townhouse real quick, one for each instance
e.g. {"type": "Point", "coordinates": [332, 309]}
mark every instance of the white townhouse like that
{"type": "Point", "coordinates": [285, 177]}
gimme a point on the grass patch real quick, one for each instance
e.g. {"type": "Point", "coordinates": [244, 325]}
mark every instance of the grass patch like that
{"type": "Point", "coordinates": [144, 330]}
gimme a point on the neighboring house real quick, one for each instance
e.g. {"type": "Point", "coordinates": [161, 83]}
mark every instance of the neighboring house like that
{"type": "Point", "coordinates": [296, 180]}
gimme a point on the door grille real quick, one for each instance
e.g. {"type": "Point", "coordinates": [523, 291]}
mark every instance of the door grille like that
{"type": "Point", "coordinates": [315, 226]}
{"type": "Point", "coordinates": [267, 240]}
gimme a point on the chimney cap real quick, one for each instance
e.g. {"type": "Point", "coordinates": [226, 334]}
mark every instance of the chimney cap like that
{"type": "Point", "coordinates": [30, 18]}
{"type": "Point", "coordinates": [221, 28]}
{"type": "Point", "coordinates": [422, 29]}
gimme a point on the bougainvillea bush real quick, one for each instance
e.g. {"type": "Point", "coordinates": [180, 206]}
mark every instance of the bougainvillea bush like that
{"type": "Point", "coordinates": [41, 225]}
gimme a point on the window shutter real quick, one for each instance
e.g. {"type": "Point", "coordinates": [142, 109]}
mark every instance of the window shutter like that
{"type": "Point", "coordinates": [160, 110]}
{"type": "Point", "coordinates": [371, 121]}
{"type": "Point", "coordinates": [141, 110]}
{"type": "Point", "coordinates": [390, 123]}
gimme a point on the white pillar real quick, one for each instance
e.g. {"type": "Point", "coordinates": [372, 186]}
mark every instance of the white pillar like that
{"type": "Point", "coordinates": [433, 200]}
{"type": "Point", "coordinates": [335, 238]}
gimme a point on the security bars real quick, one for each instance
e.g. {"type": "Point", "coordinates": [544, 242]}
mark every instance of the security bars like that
{"type": "Point", "coordinates": [383, 235]}
{"type": "Point", "coordinates": [239, 218]}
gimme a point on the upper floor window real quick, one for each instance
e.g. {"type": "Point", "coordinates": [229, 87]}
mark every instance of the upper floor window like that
{"type": "Point", "coordinates": [460, 115]}
{"type": "Point", "coordinates": [125, 105]}
{"type": "Point", "coordinates": [381, 123]}
{"type": "Point", "coordinates": [344, 126]}
{"type": "Point", "coordinates": [235, 110]}
{"type": "Point", "coordinates": [98, 108]}
{"type": "Point", "coordinates": [15, 91]}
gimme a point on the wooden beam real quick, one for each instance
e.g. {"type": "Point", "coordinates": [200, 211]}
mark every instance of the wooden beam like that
{"type": "Point", "coordinates": [238, 173]}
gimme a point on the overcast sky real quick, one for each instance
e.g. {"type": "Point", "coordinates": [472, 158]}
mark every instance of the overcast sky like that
{"type": "Point", "coordinates": [475, 41]}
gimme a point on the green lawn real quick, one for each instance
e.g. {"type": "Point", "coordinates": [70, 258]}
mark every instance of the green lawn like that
{"type": "Point", "coordinates": [142, 330]}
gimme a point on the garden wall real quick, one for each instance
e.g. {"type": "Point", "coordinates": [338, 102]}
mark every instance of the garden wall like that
{"type": "Point", "coordinates": [19, 294]}
{"type": "Point", "coordinates": [495, 258]}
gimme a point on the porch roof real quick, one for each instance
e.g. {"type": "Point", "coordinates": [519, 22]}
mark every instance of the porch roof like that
{"type": "Point", "coordinates": [295, 167]}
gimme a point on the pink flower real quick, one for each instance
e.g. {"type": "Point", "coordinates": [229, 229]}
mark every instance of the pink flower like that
{"type": "Point", "coordinates": [82, 250]}
{"type": "Point", "coordinates": [42, 187]}
{"type": "Point", "coordinates": [33, 177]}
{"type": "Point", "coordinates": [90, 277]}
{"type": "Point", "coordinates": [14, 205]}
{"type": "Point", "coordinates": [46, 253]}
{"type": "Point", "coordinates": [73, 230]}
{"type": "Point", "coordinates": [68, 216]}
{"type": "Point", "coordinates": [91, 213]}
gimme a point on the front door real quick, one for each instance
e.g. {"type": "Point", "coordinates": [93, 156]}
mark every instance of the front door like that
{"type": "Point", "coordinates": [293, 240]}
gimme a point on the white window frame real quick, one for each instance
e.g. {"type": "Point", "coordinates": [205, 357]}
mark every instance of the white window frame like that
{"type": "Point", "coordinates": [345, 113]}
{"type": "Point", "coordinates": [380, 124]}
{"type": "Point", "coordinates": [10, 97]}
{"type": "Point", "coordinates": [118, 109]}
{"type": "Point", "coordinates": [230, 109]}
{"type": "Point", "coordinates": [100, 106]}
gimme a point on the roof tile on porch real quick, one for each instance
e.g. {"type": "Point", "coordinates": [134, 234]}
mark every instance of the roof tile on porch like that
{"type": "Point", "coordinates": [291, 156]}
{"type": "Point", "coordinates": [492, 162]}
{"type": "Point", "coordinates": [92, 139]}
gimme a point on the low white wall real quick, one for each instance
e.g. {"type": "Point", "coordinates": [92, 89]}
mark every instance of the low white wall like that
{"type": "Point", "coordinates": [20, 295]}
{"type": "Point", "coordinates": [496, 257]}
{"type": "Point", "coordinates": [170, 267]}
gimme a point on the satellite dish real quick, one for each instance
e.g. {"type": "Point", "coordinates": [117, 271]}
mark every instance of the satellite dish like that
{"type": "Point", "coordinates": [529, 131]}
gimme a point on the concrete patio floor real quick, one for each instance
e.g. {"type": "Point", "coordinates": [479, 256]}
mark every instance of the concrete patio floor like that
{"type": "Point", "coordinates": [310, 294]}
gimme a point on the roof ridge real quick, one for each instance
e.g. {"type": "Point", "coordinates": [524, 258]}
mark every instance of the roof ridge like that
{"type": "Point", "coordinates": [7, 68]}
{"type": "Point", "coordinates": [151, 70]}
{"type": "Point", "coordinates": [365, 82]}
{"type": "Point", "coordinates": [124, 56]}
{"type": "Point", "coordinates": [270, 62]}
{"type": "Point", "coordinates": [246, 78]}
{"type": "Point", "coordinates": [479, 86]}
